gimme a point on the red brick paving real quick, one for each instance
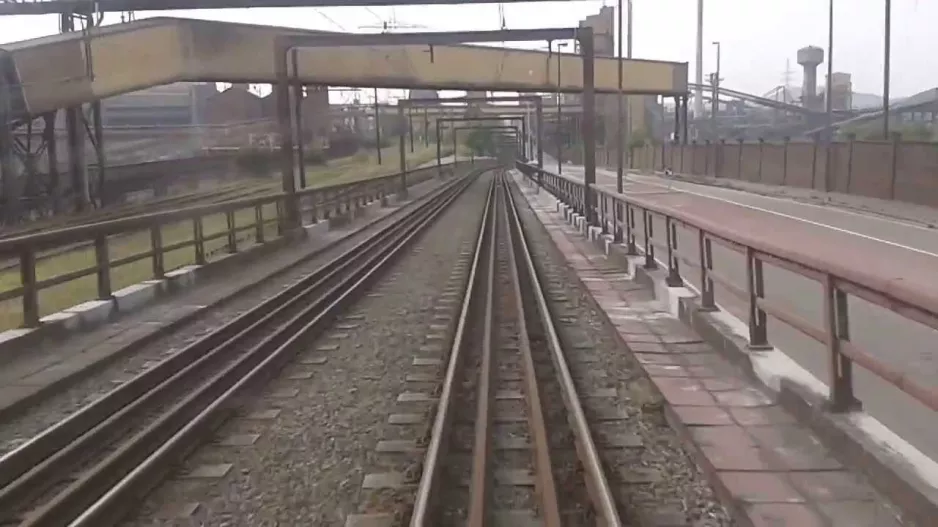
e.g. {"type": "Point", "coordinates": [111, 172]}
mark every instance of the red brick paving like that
{"type": "Point", "coordinates": [770, 470]}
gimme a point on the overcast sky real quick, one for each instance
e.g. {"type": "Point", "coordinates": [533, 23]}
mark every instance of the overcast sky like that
{"type": "Point", "coordinates": [757, 36]}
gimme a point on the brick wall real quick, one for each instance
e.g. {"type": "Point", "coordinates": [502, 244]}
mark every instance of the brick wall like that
{"type": "Point", "coordinates": [902, 171]}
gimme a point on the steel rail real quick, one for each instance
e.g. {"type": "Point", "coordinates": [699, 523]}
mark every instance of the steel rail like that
{"type": "Point", "coordinates": [425, 502]}
{"type": "Point", "coordinates": [480, 476]}
{"type": "Point", "coordinates": [66, 442]}
{"type": "Point", "coordinates": [546, 487]}
{"type": "Point", "coordinates": [109, 508]}
{"type": "Point", "coordinates": [596, 482]}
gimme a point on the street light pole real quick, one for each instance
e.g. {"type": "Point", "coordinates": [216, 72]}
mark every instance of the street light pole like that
{"type": "Point", "coordinates": [886, 69]}
{"type": "Point", "coordinates": [715, 97]}
{"type": "Point", "coordinates": [828, 103]}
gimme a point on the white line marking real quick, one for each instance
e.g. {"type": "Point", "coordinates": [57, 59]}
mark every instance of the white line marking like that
{"type": "Point", "coordinates": [789, 216]}
{"type": "Point", "coordinates": [830, 208]}
{"type": "Point", "coordinates": [805, 220]}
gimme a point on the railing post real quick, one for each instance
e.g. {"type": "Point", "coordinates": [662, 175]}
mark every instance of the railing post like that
{"type": "Point", "coordinates": [103, 265]}
{"type": "Point", "coordinates": [758, 321]}
{"type": "Point", "coordinates": [30, 291]}
{"type": "Point", "coordinates": [259, 223]}
{"type": "Point", "coordinates": [198, 240]}
{"type": "Point", "coordinates": [280, 219]}
{"type": "Point", "coordinates": [836, 318]}
{"type": "Point", "coordinates": [601, 199]}
{"type": "Point", "coordinates": [630, 248]}
{"type": "Point", "coordinates": [674, 265]}
{"type": "Point", "coordinates": [649, 223]}
{"type": "Point", "coordinates": [156, 244]}
{"type": "Point", "coordinates": [232, 234]}
{"type": "Point", "coordinates": [707, 302]}
{"type": "Point", "coordinates": [617, 221]}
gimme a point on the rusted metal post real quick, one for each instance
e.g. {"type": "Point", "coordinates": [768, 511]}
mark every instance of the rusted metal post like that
{"type": "Point", "coordinates": [707, 302]}
{"type": "Point", "coordinates": [674, 263]}
{"type": "Point", "coordinates": [103, 266]}
{"type": "Point", "coordinates": [539, 117]}
{"type": "Point", "coordinates": [156, 245]}
{"type": "Point", "coordinates": [30, 290]}
{"type": "Point", "coordinates": [259, 222]}
{"type": "Point", "coordinates": [232, 233]}
{"type": "Point", "coordinates": [401, 151]}
{"type": "Point", "coordinates": [836, 317]}
{"type": "Point", "coordinates": [426, 127]}
{"type": "Point", "coordinates": [758, 321]}
{"type": "Point", "coordinates": [588, 123]}
{"type": "Point", "coordinates": [98, 142]}
{"type": "Point", "coordinates": [649, 223]}
{"type": "Point", "coordinates": [377, 126]}
{"type": "Point", "coordinates": [410, 129]}
{"type": "Point", "coordinates": [298, 113]}
{"type": "Point", "coordinates": [282, 95]}
{"type": "Point", "coordinates": [198, 240]}
{"type": "Point", "coordinates": [439, 150]}
{"type": "Point", "coordinates": [52, 158]}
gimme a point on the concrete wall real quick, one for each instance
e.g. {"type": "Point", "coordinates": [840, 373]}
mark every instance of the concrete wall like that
{"type": "Point", "coordinates": [902, 171]}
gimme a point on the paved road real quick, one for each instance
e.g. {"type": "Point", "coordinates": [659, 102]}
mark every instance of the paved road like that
{"type": "Point", "coordinates": [901, 343]}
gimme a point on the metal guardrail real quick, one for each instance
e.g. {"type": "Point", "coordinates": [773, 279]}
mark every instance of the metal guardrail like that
{"type": "Point", "coordinates": [617, 213]}
{"type": "Point", "coordinates": [314, 203]}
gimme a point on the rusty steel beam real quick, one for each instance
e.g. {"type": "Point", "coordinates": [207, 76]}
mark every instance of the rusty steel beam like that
{"type": "Point", "coordinates": [285, 43]}
{"type": "Point", "coordinates": [439, 160]}
{"type": "Point", "coordinates": [537, 101]}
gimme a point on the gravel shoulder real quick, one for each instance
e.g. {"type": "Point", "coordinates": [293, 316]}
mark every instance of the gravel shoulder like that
{"type": "Point", "coordinates": [298, 452]}
{"type": "Point", "coordinates": [655, 480]}
{"type": "Point", "coordinates": [277, 272]}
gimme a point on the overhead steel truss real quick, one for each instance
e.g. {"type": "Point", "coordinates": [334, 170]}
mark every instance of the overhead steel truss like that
{"type": "Point", "coordinates": [288, 45]}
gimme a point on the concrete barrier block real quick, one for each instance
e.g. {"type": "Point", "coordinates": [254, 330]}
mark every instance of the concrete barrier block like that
{"type": "Point", "coordinates": [134, 296]}
{"type": "Point", "coordinates": [93, 312]}
{"type": "Point", "coordinates": [594, 233]}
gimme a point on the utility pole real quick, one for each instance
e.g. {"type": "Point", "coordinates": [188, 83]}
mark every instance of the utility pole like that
{"type": "Point", "coordinates": [377, 126]}
{"type": "Point", "coordinates": [886, 70]}
{"type": "Point", "coordinates": [829, 108]}
{"type": "Point", "coordinates": [698, 94]}
{"type": "Point", "coordinates": [715, 98]}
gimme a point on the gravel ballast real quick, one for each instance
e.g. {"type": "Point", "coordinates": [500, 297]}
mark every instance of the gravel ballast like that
{"type": "Point", "coordinates": [299, 450]}
{"type": "Point", "coordinates": [59, 405]}
{"type": "Point", "coordinates": [655, 480]}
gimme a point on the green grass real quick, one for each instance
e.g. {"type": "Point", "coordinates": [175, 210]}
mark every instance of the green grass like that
{"type": "Point", "coordinates": [81, 290]}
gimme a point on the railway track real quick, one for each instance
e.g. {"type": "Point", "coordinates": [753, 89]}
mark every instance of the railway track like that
{"type": "Point", "coordinates": [509, 442]}
{"type": "Point", "coordinates": [90, 467]}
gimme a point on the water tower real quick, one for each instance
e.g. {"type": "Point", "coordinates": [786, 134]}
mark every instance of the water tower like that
{"type": "Point", "coordinates": [810, 58]}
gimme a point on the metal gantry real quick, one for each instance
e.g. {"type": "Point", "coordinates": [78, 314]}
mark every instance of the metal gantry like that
{"type": "Point", "coordinates": [285, 44]}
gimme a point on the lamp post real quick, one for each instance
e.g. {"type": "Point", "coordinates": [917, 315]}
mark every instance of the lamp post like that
{"type": "Point", "coordinates": [715, 97]}
{"type": "Point", "coordinates": [828, 102]}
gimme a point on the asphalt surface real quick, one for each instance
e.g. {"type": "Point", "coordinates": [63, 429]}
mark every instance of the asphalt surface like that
{"type": "Point", "coordinates": [900, 343]}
